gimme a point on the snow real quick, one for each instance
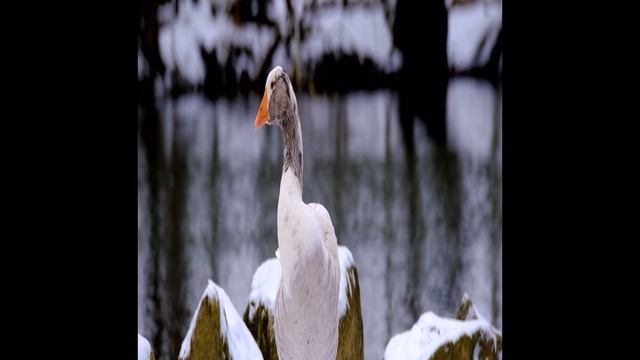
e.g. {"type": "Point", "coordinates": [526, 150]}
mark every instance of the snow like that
{"type": "Point", "coordinates": [363, 31]}
{"type": "Point", "coordinates": [239, 340]}
{"type": "Point", "coordinates": [181, 38]}
{"type": "Point", "coordinates": [144, 348]}
{"type": "Point", "coordinates": [298, 8]}
{"type": "Point", "coordinates": [266, 280]}
{"type": "Point", "coordinates": [264, 286]}
{"type": "Point", "coordinates": [277, 11]}
{"type": "Point", "coordinates": [469, 25]}
{"type": "Point", "coordinates": [430, 333]}
{"type": "Point", "coordinates": [357, 31]}
{"type": "Point", "coordinates": [346, 261]}
{"type": "Point", "coordinates": [479, 316]}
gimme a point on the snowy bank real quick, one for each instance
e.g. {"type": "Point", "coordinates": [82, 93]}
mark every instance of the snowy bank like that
{"type": "Point", "coordinates": [362, 32]}
{"type": "Point", "coordinates": [473, 33]}
{"type": "Point", "coordinates": [217, 331]}
{"type": "Point", "coordinates": [215, 41]}
{"type": "Point", "coordinates": [196, 27]}
{"type": "Point", "coordinates": [434, 337]}
{"type": "Point", "coordinates": [144, 349]}
{"type": "Point", "coordinates": [264, 288]}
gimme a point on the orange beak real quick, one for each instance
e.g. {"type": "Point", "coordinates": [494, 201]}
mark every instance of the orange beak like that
{"type": "Point", "coordinates": [263, 114]}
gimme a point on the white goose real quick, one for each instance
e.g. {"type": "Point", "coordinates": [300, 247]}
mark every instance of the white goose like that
{"type": "Point", "coordinates": [306, 315]}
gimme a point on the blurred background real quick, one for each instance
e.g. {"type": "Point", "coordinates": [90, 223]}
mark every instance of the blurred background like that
{"type": "Point", "coordinates": [401, 111]}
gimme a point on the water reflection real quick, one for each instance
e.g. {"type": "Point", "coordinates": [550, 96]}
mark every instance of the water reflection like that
{"type": "Point", "coordinates": [423, 221]}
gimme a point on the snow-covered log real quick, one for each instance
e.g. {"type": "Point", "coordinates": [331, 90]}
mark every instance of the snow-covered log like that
{"type": "Point", "coordinates": [217, 331]}
{"type": "Point", "coordinates": [433, 337]}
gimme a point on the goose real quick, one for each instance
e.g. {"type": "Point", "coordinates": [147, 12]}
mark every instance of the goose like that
{"type": "Point", "coordinates": [306, 307]}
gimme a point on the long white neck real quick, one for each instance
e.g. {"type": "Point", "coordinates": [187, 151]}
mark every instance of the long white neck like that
{"type": "Point", "coordinates": [292, 145]}
{"type": "Point", "coordinates": [290, 198]}
{"type": "Point", "coordinates": [292, 222]}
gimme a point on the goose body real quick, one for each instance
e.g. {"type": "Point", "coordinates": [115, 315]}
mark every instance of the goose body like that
{"type": "Point", "coordinates": [306, 309]}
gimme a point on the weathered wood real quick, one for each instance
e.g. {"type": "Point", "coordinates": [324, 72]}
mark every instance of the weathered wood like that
{"type": "Point", "coordinates": [206, 340]}
{"type": "Point", "coordinates": [350, 334]}
{"type": "Point", "coordinates": [436, 338]}
{"type": "Point", "coordinates": [261, 327]}
{"type": "Point", "coordinates": [464, 308]}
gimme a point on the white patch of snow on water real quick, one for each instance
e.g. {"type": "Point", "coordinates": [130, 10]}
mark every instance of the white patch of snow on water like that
{"type": "Point", "coordinates": [471, 117]}
{"type": "Point", "coordinates": [430, 333]}
{"type": "Point", "coordinates": [144, 348]}
{"type": "Point", "coordinates": [373, 107]}
{"type": "Point", "coordinates": [239, 340]}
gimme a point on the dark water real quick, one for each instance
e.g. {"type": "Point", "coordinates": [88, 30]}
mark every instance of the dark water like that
{"type": "Point", "coordinates": [423, 221]}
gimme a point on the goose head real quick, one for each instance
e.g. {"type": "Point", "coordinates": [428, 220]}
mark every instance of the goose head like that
{"type": "Point", "coordinates": [278, 101]}
{"type": "Point", "coordinates": [279, 107]}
